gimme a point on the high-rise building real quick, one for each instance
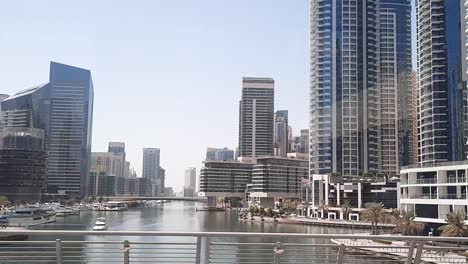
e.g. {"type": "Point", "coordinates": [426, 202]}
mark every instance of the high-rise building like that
{"type": "Point", "coordinates": [118, 149]}
{"type": "Point", "coordinates": [63, 107]}
{"type": "Point", "coordinates": [304, 141]}
{"type": "Point", "coordinates": [441, 85]}
{"type": "Point", "coordinates": [400, 11]}
{"type": "Point", "coordinates": [23, 164]}
{"type": "Point", "coordinates": [151, 165]}
{"type": "Point", "coordinates": [191, 178]}
{"type": "Point", "coordinates": [162, 181]}
{"type": "Point", "coordinates": [281, 133]}
{"type": "Point", "coordinates": [219, 154]}
{"type": "Point", "coordinates": [415, 115]}
{"type": "Point", "coordinates": [354, 82]}
{"type": "Point", "coordinates": [107, 163]}
{"type": "Point", "coordinates": [256, 117]}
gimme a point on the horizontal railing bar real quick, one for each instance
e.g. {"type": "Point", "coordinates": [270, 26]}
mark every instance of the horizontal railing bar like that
{"type": "Point", "coordinates": [228, 234]}
{"type": "Point", "coordinates": [165, 248]}
{"type": "Point", "coordinates": [247, 244]}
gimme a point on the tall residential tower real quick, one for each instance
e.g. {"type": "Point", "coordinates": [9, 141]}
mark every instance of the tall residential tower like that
{"type": "Point", "coordinates": [256, 110]}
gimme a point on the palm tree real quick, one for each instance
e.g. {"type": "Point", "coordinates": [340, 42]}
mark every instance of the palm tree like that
{"type": "Point", "coordinates": [4, 202]}
{"type": "Point", "coordinates": [374, 213]}
{"type": "Point", "coordinates": [406, 225]}
{"type": "Point", "coordinates": [455, 226]}
{"type": "Point", "coordinates": [323, 207]}
{"type": "Point", "coordinates": [346, 208]}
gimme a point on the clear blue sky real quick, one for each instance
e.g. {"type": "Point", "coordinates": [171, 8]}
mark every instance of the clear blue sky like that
{"type": "Point", "coordinates": [167, 73]}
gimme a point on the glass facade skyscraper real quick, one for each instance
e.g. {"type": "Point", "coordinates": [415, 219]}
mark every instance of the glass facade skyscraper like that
{"type": "Point", "coordinates": [63, 108]}
{"type": "Point", "coordinates": [281, 143]}
{"type": "Point", "coordinates": [441, 89]}
{"type": "Point", "coordinates": [354, 72]}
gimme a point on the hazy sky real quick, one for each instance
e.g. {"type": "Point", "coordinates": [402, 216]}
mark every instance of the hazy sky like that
{"type": "Point", "coordinates": [167, 73]}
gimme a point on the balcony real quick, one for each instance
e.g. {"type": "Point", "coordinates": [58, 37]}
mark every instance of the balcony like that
{"type": "Point", "coordinates": [222, 247]}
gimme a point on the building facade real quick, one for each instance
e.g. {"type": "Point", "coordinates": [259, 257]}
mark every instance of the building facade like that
{"type": "Point", "coordinates": [223, 154]}
{"type": "Point", "coordinates": [441, 88]}
{"type": "Point", "coordinates": [274, 177]}
{"type": "Point", "coordinates": [433, 191]}
{"type": "Point", "coordinates": [354, 67]}
{"type": "Point", "coordinates": [256, 117]}
{"type": "Point", "coordinates": [63, 108]}
{"type": "Point", "coordinates": [107, 163]}
{"type": "Point", "coordinates": [281, 144]}
{"type": "Point", "coordinates": [22, 164]}
{"type": "Point", "coordinates": [151, 165]}
{"type": "Point", "coordinates": [191, 178]}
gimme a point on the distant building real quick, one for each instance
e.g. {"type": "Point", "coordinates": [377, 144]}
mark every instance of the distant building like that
{"type": "Point", "coordinates": [23, 164]}
{"type": "Point", "coordinates": [162, 181]}
{"type": "Point", "coordinates": [275, 177]}
{"type": "Point", "coordinates": [189, 192]}
{"type": "Point", "coordinates": [151, 165]}
{"type": "Point", "coordinates": [280, 135]}
{"type": "Point", "coordinates": [63, 108]}
{"type": "Point", "coordinates": [191, 178]}
{"type": "Point", "coordinates": [101, 184]}
{"type": "Point", "coordinates": [256, 117]}
{"type": "Point", "coordinates": [224, 178]}
{"type": "Point", "coordinates": [107, 163]}
{"type": "Point", "coordinates": [168, 192]}
{"type": "Point", "coordinates": [304, 141]}
{"type": "Point", "coordinates": [219, 154]}
{"type": "Point", "coordinates": [140, 187]}
{"type": "Point", "coordinates": [298, 155]}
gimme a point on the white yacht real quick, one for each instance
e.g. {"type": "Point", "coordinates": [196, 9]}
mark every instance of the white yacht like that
{"type": "Point", "coordinates": [100, 224]}
{"type": "Point", "coordinates": [29, 216]}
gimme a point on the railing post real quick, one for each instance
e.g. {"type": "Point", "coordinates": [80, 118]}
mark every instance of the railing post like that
{"type": "Point", "coordinates": [409, 258]}
{"type": "Point", "coordinates": [341, 251]}
{"type": "Point", "coordinates": [207, 250]}
{"type": "Point", "coordinates": [126, 252]}
{"type": "Point", "coordinates": [198, 250]}
{"type": "Point", "coordinates": [58, 251]}
{"type": "Point", "coordinates": [279, 252]}
{"type": "Point", "coordinates": [417, 258]}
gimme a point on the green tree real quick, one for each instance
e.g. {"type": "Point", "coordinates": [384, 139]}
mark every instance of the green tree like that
{"type": "Point", "coordinates": [346, 208]}
{"type": "Point", "coordinates": [406, 224]}
{"type": "Point", "coordinates": [455, 226]}
{"type": "Point", "coordinates": [262, 212]}
{"type": "Point", "coordinates": [257, 210]}
{"type": "Point", "coordinates": [252, 210]}
{"type": "Point", "coordinates": [282, 211]}
{"type": "Point", "coordinates": [269, 212]}
{"type": "Point", "coordinates": [374, 213]}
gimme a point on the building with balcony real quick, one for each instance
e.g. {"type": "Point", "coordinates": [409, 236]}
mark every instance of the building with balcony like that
{"type": "Point", "coordinates": [433, 190]}
{"type": "Point", "coordinates": [278, 178]}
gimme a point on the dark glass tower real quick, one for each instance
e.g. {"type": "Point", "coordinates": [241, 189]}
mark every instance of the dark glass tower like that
{"type": "Point", "coordinates": [441, 87]}
{"type": "Point", "coordinates": [63, 108]}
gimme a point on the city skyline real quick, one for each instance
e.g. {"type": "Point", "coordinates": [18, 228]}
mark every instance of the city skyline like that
{"type": "Point", "coordinates": [142, 99]}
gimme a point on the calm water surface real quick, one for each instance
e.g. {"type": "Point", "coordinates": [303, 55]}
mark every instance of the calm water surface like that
{"type": "Point", "coordinates": [182, 217]}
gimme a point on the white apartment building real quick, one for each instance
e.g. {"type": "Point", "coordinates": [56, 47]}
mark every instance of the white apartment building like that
{"type": "Point", "coordinates": [434, 190]}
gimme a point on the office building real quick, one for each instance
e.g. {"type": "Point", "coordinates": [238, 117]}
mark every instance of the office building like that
{"type": "Point", "coordinates": [432, 191]}
{"type": "Point", "coordinates": [275, 177]}
{"type": "Point", "coordinates": [191, 178]}
{"type": "Point", "coordinates": [280, 135]}
{"type": "Point", "coordinates": [219, 154]}
{"type": "Point", "coordinates": [101, 184]}
{"type": "Point", "coordinates": [107, 163]}
{"type": "Point", "coordinates": [63, 108]}
{"type": "Point", "coordinates": [151, 163]}
{"type": "Point", "coordinates": [168, 192]}
{"type": "Point", "coordinates": [22, 164]}
{"type": "Point", "coordinates": [353, 101]}
{"type": "Point", "coordinates": [256, 110]}
{"type": "Point", "coordinates": [117, 147]}
{"type": "Point", "coordinates": [442, 85]}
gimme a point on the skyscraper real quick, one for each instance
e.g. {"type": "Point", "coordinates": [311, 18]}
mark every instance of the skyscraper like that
{"type": "Point", "coordinates": [441, 86]}
{"type": "Point", "coordinates": [151, 164]}
{"type": "Point", "coordinates": [219, 154]}
{"type": "Point", "coordinates": [304, 141]}
{"type": "Point", "coordinates": [64, 109]}
{"type": "Point", "coordinates": [256, 111]}
{"type": "Point", "coordinates": [191, 178]}
{"type": "Point", "coordinates": [400, 11]}
{"type": "Point", "coordinates": [353, 69]}
{"type": "Point", "coordinates": [281, 133]}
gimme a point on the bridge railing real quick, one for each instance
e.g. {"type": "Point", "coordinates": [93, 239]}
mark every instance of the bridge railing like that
{"type": "Point", "coordinates": [224, 247]}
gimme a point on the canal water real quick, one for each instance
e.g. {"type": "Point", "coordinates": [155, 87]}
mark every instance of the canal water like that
{"type": "Point", "coordinates": [183, 217]}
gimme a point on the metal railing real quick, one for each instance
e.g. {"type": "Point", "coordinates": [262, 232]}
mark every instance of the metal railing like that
{"type": "Point", "coordinates": [437, 164]}
{"type": "Point", "coordinates": [224, 247]}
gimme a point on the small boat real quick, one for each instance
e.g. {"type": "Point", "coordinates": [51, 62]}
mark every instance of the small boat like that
{"type": "Point", "coordinates": [100, 224]}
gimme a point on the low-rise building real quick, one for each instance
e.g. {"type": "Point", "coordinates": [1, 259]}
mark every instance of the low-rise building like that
{"type": "Point", "coordinates": [329, 193]}
{"type": "Point", "coordinates": [101, 184]}
{"type": "Point", "coordinates": [278, 178]}
{"type": "Point", "coordinates": [434, 190]}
